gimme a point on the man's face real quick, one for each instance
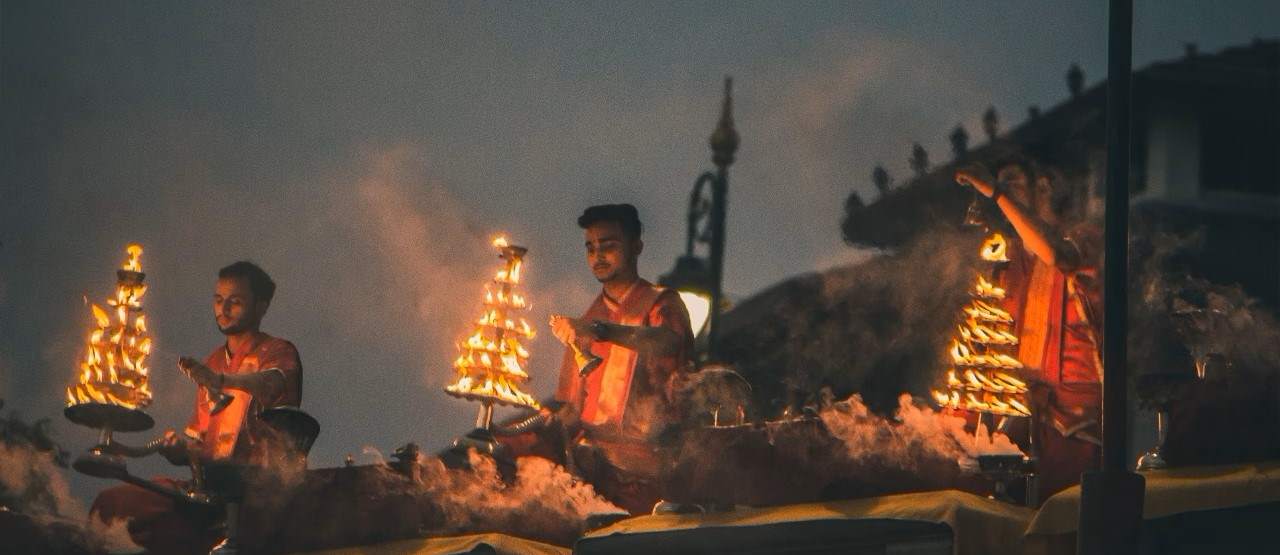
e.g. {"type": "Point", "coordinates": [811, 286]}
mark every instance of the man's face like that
{"type": "Point", "coordinates": [234, 307]}
{"type": "Point", "coordinates": [1016, 184]}
{"type": "Point", "coordinates": [611, 254]}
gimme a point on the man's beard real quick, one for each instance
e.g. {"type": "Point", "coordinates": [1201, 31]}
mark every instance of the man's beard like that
{"type": "Point", "coordinates": [613, 274]}
{"type": "Point", "coordinates": [239, 326]}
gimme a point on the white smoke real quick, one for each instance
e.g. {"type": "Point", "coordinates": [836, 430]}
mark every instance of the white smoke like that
{"type": "Point", "coordinates": [914, 431]}
{"type": "Point", "coordinates": [33, 485]}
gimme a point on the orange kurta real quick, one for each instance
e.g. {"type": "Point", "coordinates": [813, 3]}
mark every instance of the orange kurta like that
{"type": "Point", "coordinates": [234, 432]}
{"type": "Point", "coordinates": [629, 395]}
{"type": "Point", "coordinates": [1057, 327]}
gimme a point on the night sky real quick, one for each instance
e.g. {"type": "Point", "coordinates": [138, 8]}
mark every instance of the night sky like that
{"type": "Point", "coordinates": [364, 153]}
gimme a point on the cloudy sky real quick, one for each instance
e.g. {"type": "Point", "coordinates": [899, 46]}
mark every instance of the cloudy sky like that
{"type": "Point", "coordinates": [363, 153]}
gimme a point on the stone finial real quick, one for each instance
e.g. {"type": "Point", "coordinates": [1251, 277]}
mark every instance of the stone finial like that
{"type": "Point", "coordinates": [991, 123]}
{"type": "Point", "coordinates": [919, 159]}
{"type": "Point", "coordinates": [1075, 80]}
{"type": "Point", "coordinates": [724, 140]}
{"type": "Point", "coordinates": [959, 141]}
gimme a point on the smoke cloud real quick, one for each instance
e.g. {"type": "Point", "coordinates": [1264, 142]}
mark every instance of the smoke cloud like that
{"type": "Point", "coordinates": [421, 497]}
{"type": "Point", "coordinates": [40, 510]}
{"type": "Point", "coordinates": [916, 432]}
{"type": "Point", "coordinates": [544, 500]}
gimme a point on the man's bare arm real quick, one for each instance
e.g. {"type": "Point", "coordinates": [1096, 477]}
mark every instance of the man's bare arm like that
{"type": "Point", "coordinates": [1036, 235]}
{"type": "Point", "coordinates": [647, 339]}
{"type": "Point", "coordinates": [264, 384]}
{"type": "Point", "coordinates": [658, 341]}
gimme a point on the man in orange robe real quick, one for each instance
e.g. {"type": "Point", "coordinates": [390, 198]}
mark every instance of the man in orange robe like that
{"type": "Point", "coordinates": [258, 372]}
{"type": "Point", "coordinates": [642, 336]}
{"type": "Point", "coordinates": [1052, 295]}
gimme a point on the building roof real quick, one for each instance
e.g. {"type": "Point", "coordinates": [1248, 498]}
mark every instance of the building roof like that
{"type": "Point", "coordinates": [1070, 136]}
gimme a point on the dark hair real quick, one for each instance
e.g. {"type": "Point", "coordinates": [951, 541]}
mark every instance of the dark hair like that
{"type": "Point", "coordinates": [259, 282]}
{"type": "Point", "coordinates": [624, 214]}
{"type": "Point", "coordinates": [1006, 155]}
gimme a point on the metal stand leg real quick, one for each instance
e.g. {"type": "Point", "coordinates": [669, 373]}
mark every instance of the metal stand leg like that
{"type": "Point", "coordinates": [231, 545]}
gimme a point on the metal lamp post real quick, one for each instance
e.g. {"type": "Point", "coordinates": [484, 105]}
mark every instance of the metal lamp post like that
{"type": "Point", "coordinates": [692, 276]}
{"type": "Point", "coordinates": [1111, 500]}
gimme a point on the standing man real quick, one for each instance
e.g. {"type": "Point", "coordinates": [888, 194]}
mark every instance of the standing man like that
{"type": "Point", "coordinates": [1052, 295]}
{"type": "Point", "coordinates": [642, 336]}
{"type": "Point", "coordinates": [251, 371]}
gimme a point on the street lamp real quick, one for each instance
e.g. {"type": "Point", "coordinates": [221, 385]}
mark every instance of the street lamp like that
{"type": "Point", "coordinates": [691, 279]}
{"type": "Point", "coordinates": [700, 281]}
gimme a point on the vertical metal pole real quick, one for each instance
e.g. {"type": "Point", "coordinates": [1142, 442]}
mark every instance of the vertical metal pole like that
{"type": "Point", "coordinates": [1115, 384]}
{"type": "Point", "coordinates": [719, 193]}
{"type": "Point", "coordinates": [1111, 500]}
{"type": "Point", "coordinates": [724, 143]}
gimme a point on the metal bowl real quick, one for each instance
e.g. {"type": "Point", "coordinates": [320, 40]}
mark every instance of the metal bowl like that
{"type": "Point", "coordinates": [114, 417]}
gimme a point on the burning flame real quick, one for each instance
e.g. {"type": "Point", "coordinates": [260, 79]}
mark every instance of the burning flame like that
{"type": "Point", "coordinates": [974, 332]}
{"type": "Point", "coordinates": [995, 249]}
{"type": "Point", "coordinates": [988, 403]}
{"type": "Point", "coordinates": [986, 312]}
{"type": "Point", "coordinates": [492, 360]}
{"type": "Point", "coordinates": [114, 369]}
{"type": "Point", "coordinates": [962, 355]}
{"type": "Point", "coordinates": [492, 387]}
{"type": "Point", "coordinates": [987, 290]}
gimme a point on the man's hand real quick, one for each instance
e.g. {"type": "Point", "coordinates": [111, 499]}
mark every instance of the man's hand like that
{"type": "Point", "coordinates": [199, 373]}
{"type": "Point", "coordinates": [571, 331]}
{"type": "Point", "coordinates": [175, 448]}
{"type": "Point", "coordinates": [977, 177]}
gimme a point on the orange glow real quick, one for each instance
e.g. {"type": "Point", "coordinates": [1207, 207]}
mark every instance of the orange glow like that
{"type": "Point", "coordinates": [114, 367]}
{"type": "Point", "coordinates": [995, 249]}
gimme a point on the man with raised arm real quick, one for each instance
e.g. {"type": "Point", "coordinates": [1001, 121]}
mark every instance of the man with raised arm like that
{"type": "Point", "coordinates": [1053, 297]}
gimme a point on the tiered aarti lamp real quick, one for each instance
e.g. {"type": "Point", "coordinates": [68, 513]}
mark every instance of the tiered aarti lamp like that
{"type": "Point", "coordinates": [492, 360]}
{"type": "Point", "coordinates": [983, 377]}
{"type": "Point", "coordinates": [983, 354]}
{"type": "Point", "coordinates": [112, 384]}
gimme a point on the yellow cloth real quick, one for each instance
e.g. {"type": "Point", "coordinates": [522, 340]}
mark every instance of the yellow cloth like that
{"type": "Point", "coordinates": [505, 545]}
{"type": "Point", "coordinates": [980, 525]}
{"type": "Point", "coordinates": [1173, 491]}
{"type": "Point", "coordinates": [1169, 492]}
